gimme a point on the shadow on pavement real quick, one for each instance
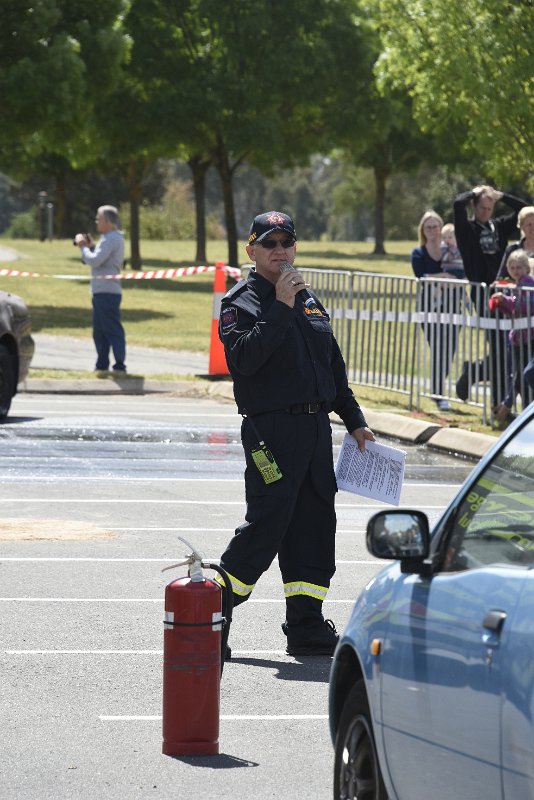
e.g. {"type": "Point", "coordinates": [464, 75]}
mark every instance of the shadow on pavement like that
{"type": "Point", "coordinates": [309, 668]}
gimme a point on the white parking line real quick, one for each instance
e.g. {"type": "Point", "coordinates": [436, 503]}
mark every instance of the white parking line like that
{"type": "Point", "coordinates": [112, 560]}
{"type": "Point", "coordinates": [125, 600]}
{"type": "Point", "coordinates": [171, 414]}
{"type": "Point", "coordinates": [142, 560]}
{"type": "Point", "coordinates": [157, 528]}
{"type": "Point", "coordinates": [83, 652]}
{"type": "Point", "coordinates": [223, 717]}
{"type": "Point", "coordinates": [125, 501]}
{"type": "Point", "coordinates": [161, 529]}
{"type": "Point", "coordinates": [128, 652]}
{"type": "Point", "coordinates": [107, 479]}
{"type": "Point", "coordinates": [81, 600]}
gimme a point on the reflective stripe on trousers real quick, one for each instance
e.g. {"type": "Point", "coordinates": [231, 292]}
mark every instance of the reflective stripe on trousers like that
{"type": "Point", "coordinates": [238, 587]}
{"type": "Point", "coordinates": [302, 588]}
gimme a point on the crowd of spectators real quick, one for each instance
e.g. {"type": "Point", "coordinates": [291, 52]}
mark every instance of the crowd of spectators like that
{"type": "Point", "coordinates": [476, 247]}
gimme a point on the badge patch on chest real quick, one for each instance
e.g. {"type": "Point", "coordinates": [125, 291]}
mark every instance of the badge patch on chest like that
{"type": "Point", "coordinates": [311, 308]}
{"type": "Point", "coordinates": [228, 319]}
{"type": "Point", "coordinates": [313, 311]}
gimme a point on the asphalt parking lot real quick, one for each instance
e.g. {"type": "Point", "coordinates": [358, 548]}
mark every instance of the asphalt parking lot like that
{"type": "Point", "coordinates": [95, 492]}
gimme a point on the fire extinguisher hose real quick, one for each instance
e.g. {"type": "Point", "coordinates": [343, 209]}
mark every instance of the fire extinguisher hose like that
{"type": "Point", "coordinates": [228, 606]}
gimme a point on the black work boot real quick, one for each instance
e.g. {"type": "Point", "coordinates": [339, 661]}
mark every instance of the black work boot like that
{"type": "Point", "coordinates": [318, 640]}
{"type": "Point", "coordinates": [472, 372]}
{"type": "Point", "coordinates": [462, 384]}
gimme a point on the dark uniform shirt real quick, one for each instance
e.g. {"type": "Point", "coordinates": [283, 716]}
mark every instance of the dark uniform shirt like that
{"type": "Point", "coordinates": [280, 356]}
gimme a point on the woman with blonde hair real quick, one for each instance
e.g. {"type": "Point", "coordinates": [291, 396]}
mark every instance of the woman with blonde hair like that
{"type": "Point", "coordinates": [427, 263]}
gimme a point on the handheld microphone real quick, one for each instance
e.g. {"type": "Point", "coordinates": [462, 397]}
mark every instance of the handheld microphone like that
{"type": "Point", "coordinates": [304, 293]}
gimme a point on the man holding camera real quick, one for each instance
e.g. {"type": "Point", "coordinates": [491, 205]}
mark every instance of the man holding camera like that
{"type": "Point", "coordinates": [106, 259]}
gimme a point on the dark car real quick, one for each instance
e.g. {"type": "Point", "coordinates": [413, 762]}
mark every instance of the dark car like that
{"type": "Point", "coordinates": [16, 347]}
{"type": "Point", "coordinates": [432, 683]}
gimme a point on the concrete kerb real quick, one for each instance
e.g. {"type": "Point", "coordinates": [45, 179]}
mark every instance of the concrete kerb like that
{"type": "Point", "coordinates": [467, 443]}
{"type": "Point", "coordinates": [401, 427]}
{"type": "Point", "coordinates": [396, 426]}
{"type": "Point", "coordinates": [451, 440]}
{"type": "Point", "coordinates": [129, 384]}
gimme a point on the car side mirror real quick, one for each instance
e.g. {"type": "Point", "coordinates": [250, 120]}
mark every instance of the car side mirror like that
{"type": "Point", "coordinates": [400, 535]}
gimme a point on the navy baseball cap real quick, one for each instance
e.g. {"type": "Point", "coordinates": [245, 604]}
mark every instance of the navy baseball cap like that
{"type": "Point", "coordinates": [264, 224]}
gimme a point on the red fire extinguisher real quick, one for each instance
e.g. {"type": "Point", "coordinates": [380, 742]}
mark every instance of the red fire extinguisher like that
{"type": "Point", "coordinates": [194, 644]}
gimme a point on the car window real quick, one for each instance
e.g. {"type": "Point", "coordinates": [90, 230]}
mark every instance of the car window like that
{"type": "Point", "coordinates": [495, 521]}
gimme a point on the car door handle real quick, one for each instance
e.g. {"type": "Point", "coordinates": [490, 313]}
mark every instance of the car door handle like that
{"type": "Point", "coordinates": [494, 620]}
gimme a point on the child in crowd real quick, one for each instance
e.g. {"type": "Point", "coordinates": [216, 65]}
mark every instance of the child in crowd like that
{"type": "Point", "coordinates": [451, 259]}
{"type": "Point", "coordinates": [519, 303]}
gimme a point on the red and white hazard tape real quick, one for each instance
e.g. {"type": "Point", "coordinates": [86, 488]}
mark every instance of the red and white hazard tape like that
{"type": "Point", "coordinates": [180, 272]}
{"type": "Point", "coordinates": [15, 273]}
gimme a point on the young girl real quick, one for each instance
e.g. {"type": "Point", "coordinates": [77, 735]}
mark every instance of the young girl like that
{"type": "Point", "coordinates": [520, 303]}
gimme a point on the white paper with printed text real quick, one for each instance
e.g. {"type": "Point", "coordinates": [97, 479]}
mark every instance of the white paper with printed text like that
{"type": "Point", "coordinates": [378, 473]}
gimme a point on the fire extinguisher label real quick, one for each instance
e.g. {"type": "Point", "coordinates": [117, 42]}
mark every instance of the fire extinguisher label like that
{"type": "Point", "coordinates": [216, 618]}
{"type": "Point", "coordinates": [169, 618]}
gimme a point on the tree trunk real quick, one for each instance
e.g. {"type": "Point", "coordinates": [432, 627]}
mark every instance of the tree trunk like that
{"type": "Point", "coordinates": [199, 168]}
{"type": "Point", "coordinates": [133, 180]}
{"type": "Point", "coordinates": [59, 210]}
{"type": "Point", "coordinates": [222, 164]}
{"type": "Point", "coordinates": [380, 202]}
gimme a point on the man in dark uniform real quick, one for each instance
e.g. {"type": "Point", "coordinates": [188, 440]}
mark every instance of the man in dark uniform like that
{"type": "Point", "coordinates": [288, 374]}
{"type": "Point", "coordinates": [482, 241]}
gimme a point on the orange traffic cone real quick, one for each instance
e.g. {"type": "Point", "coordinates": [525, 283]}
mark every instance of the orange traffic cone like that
{"type": "Point", "coordinates": [218, 365]}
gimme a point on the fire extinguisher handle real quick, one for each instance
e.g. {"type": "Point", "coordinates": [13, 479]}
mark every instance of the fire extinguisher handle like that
{"type": "Point", "coordinates": [195, 556]}
{"type": "Point", "coordinates": [228, 605]}
{"type": "Point", "coordinates": [178, 564]}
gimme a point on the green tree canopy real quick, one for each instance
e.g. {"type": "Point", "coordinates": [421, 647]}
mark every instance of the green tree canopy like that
{"type": "Point", "coordinates": [56, 58]}
{"type": "Point", "coordinates": [261, 83]}
{"type": "Point", "coordinates": [375, 126]}
{"type": "Point", "coordinates": [469, 67]}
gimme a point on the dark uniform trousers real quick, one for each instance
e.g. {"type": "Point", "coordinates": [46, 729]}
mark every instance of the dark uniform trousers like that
{"type": "Point", "coordinates": [293, 516]}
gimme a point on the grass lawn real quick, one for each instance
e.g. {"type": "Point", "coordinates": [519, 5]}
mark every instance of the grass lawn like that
{"type": "Point", "coordinates": [173, 313]}
{"type": "Point", "coordinates": [176, 313]}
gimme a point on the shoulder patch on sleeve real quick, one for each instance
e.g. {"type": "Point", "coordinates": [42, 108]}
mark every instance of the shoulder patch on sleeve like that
{"type": "Point", "coordinates": [228, 319]}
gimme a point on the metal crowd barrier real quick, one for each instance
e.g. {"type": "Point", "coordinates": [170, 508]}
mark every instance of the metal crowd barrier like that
{"type": "Point", "coordinates": [419, 337]}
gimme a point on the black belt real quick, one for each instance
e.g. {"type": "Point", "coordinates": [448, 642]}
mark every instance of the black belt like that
{"type": "Point", "coordinates": [306, 408]}
{"type": "Point", "coordinates": [297, 408]}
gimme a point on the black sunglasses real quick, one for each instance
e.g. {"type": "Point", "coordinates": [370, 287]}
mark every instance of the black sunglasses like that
{"type": "Point", "coordinates": [270, 244]}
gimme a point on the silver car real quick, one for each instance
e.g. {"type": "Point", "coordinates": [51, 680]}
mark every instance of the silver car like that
{"type": "Point", "coordinates": [432, 683]}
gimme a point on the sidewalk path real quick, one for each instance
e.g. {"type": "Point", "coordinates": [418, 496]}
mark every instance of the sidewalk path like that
{"type": "Point", "coordinates": [8, 254]}
{"type": "Point", "coordinates": [71, 353]}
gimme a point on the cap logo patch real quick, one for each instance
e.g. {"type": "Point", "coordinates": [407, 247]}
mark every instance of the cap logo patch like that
{"type": "Point", "coordinates": [275, 219]}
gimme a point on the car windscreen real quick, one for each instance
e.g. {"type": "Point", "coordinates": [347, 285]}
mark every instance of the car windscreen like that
{"type": "Point", "coordinates": [494, 523]}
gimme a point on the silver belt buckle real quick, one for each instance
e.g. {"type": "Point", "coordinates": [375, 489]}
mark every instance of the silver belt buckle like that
{"type": "Point", "coordinates": [310, 410]}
